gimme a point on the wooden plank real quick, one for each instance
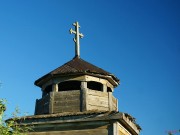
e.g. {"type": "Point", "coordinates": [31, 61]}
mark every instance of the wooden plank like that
{"type": "Point", "coordinates": [91, 127]}
{"type": "Point", "coordinates": [97, 93]}
{"type": "Point", "coordinates": [100, 108]}
{"type": "Point", "coordinates": [115, 128]}
{"type": "Point", "coordinates": [42, 106]}
{"type": "Point", "coordinates": [80, 126]}
{"type": "Point", "coordinates": [84, 100]}
{"type": "Point", "coordinates": [66, 95]}
{"type": "Point", "coordinates": [104, 88]}
{"type": "Point", "coordinates": [97, 98]}
{"type": "Point", "coordinates": [83, 85]}
{"type": "Point", "coordinates": [66, 109]}
{"type": "Point", "coordinates": [65, 105]}
{"type": "Point", "coordinates": [43, 100]}
{"type": "Point", "coordinates": [55, 87]}
{"type": "Point", "coordinates": [101, 102]}
{"type": "Point", "coordinates": [70, 92]}
{"type": "Point", "coordinates": [96, 106]}
{"type": "Point", "coordinates": [114, 103]}
{"type": "Point", "coordinates": [69, 106]}
{"type": "Point", "coordinates": [73, 132]}
{"type": "Point", "coordinates": [70, 97]}
{"type": "Point", "coordinates": [110, 101]}
{"type": "Point", "coordinates": [46, 107]}
{"type": "Point", "coordinates": [114, 99]}
{"type": "Point", "coordinates": [117, 105]}
{"type": "Point", "coordinates": [98, 103]}
{"type": "Point", "coordinates": [122, 130]}
{"type": "Point", "coordinates": [51, 102]}
{"type": "Point", "coordinates": [67, 102]}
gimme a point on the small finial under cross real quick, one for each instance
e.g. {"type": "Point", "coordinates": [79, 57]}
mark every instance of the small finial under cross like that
{"type": "Point", "coordinates": [76, 38]}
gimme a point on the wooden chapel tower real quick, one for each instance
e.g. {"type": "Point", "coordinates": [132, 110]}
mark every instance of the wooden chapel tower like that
{"type": "Point", "coordinates": [77, 99]}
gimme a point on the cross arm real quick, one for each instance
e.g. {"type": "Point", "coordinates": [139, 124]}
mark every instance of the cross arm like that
{"type": "Point", "coordinates": [81, 35]}
{"type": "Point", "coordinates": [72, 31]}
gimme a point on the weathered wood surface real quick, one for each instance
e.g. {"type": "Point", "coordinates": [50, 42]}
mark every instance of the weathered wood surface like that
{"type": "Point", "coordinates": [84, 100]}
{"type": "Point", "coordinates": [122, 130]}
{"type": "Point", "coordinates": [66, 101]}
{"type": "Point", "coordinates": [97, 93]}
{"type": "Point", "coordinates": [89, 128]}
{"type": "Point", "coordinates": [56, 102]}
{"type": "Point", "coordinates": [66, 109]}
{"type": "Point", "coordinates": [76, 101]}
{"type": "Point", "coordinates": [97, 100]}
{"type": "Point", "coordinates": [51, 106]}
{"type": "Point", "coordinates": [70, 102]}
{"type": "Point", "coordinates": [73, 132]}
{"type": "Point", "coordinates": [115, 103]}
{"type": "Point", "coordinates": [99, 108]}
{"type": "Point", "coordinates": [69, 97]}
{"type": "Point", "coordinates": [42, 105]}
{"type": "Point", "coordinates": [70, 92]}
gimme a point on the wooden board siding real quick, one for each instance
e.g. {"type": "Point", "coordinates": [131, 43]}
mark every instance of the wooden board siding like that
{"type": "Point", "coordinates": [97, 100]}
{"type": "Point", "coordinates": [66, 101]}
{"type": "Point", "coordinates": [74, 132]}
{"type": "Point", "coordinates": [115, 103]}
{"type": "Point", "coordinates": [122, 130]}
{"type": "Point", "coordinates": [89, 128]}
{"type": "Point", "coordinates": [57, 102]}
{"type": "Point", "coordinates": [42, 105]}
{"type": "Point", "coordinates": [76, 101]}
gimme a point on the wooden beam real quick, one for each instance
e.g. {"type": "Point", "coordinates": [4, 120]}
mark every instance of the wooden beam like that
{"type": "Point", "coordinates": [55, 87]}
{"type": "Point", "coordinates": [104, 88]}
{"type": "Point", "coordinates": [115, 128]}
{"type": "Point", "coordinates": [51, 107]}
{"type": "Point", "coordinates": [83, 85]}
{"type": "Point", "coordinates": [84, 99]}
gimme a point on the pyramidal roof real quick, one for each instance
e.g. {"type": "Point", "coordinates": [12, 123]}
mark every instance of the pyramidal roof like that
{"type": "Point", "coordinates": [77, 66]}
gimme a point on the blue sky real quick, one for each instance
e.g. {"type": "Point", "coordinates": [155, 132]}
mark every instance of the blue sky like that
{"type": "Point", "coordinates": [138, 41]}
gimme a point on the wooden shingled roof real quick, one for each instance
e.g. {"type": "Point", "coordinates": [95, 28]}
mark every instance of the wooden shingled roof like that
{"type": "Point", "coordinates": [75, 66]}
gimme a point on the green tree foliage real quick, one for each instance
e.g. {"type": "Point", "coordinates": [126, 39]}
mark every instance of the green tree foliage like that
{"type": "Point", "coordinates": [173, 132]}
{"type": "Point", "coordinates": [11, 126]}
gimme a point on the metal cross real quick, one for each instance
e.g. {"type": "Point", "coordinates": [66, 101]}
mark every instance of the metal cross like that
{"type": "Point", "coordinates": [76, 38]}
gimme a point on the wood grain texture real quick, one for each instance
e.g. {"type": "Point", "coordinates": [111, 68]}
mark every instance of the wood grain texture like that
{"type": "Point", "coordinates": [73, 132]}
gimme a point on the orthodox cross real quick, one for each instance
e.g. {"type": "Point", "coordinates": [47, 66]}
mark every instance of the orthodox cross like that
{"type": "Point", "coordinates": [76, 38]}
